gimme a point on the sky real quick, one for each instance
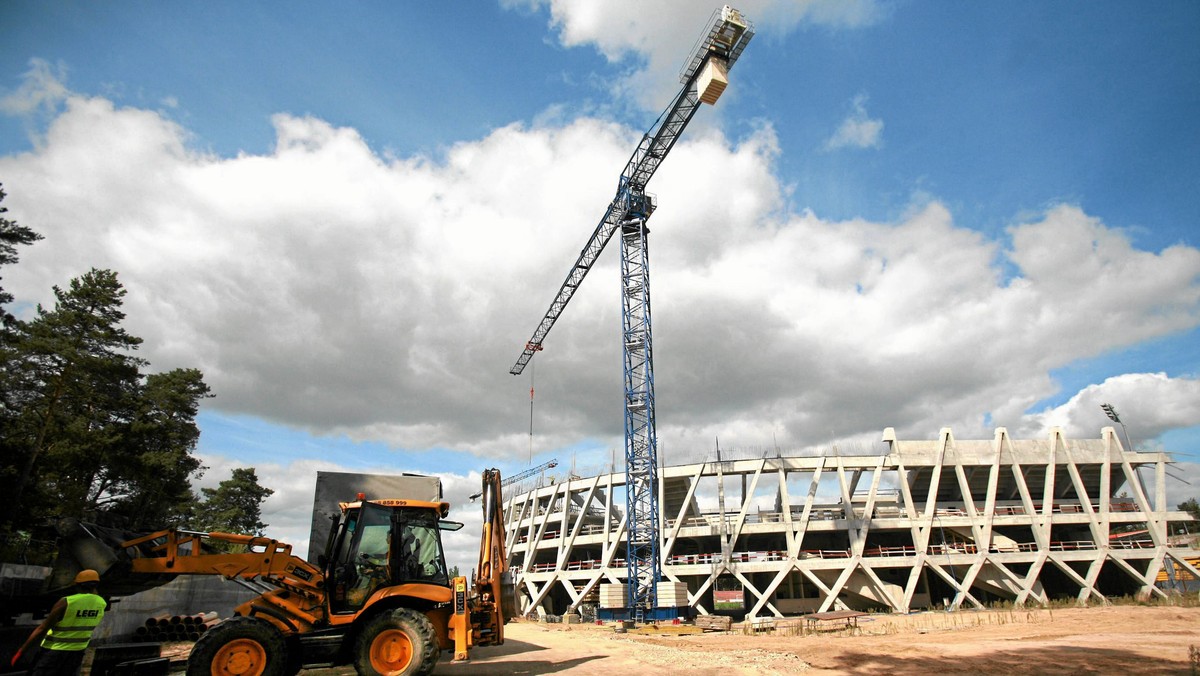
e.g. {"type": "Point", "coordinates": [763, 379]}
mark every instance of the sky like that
{"type": "Point", "coordinates": [351, 217]}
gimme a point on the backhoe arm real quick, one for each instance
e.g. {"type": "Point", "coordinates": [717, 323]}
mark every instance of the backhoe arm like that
{"type": "Point", "coordinates": [179, 552]}
{"type": "Point", "coordinates": [493, 563]}
{"type": "Point", "coordinates": [480, 614]}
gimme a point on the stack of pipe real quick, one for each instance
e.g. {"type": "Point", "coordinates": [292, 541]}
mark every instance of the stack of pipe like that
{"type": "Point", "coordinates": [164, 627]}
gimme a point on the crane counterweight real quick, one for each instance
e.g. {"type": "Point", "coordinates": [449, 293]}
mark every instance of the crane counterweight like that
{"type": "Point", "coordinates": [713, 80]}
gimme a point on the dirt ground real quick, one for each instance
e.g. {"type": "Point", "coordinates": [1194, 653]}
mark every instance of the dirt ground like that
{"type": "Point", "coordinates": [1075, 641]}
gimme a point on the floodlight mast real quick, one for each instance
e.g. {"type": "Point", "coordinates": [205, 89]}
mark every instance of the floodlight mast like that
{"type": "Point", "coordinates": [704, 79]}
{"type": "Point", "coordinates": [1111, 412]}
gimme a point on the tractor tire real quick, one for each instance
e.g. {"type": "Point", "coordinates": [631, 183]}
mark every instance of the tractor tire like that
{"type": "Point", "coordinates": [399, 642]}
{"type": "Point", "coordinates": [245, 646]}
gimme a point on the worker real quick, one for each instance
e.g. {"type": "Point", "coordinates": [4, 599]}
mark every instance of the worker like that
{"type": "Point", "coordinates": [371, 568]}
{"type": "Point", "coordinates": [66, 631]}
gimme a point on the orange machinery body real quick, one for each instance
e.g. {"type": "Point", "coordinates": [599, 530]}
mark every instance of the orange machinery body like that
{"type": "Point", "coordinates": [304, 599]}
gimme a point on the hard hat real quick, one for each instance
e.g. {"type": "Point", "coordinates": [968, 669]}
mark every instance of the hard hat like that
{"type": "Point", "coordinates": [87, 576]}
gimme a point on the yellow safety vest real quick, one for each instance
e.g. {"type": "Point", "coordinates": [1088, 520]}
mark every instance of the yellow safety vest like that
{"type": "Point", "coordinates": [74, 630]}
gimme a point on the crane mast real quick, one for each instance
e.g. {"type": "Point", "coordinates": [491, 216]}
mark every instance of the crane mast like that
{"type": "Point", "coordinates": [703, 78]}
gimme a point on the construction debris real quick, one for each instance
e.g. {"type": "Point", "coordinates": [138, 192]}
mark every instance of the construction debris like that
{"type": "Point", "coordinates": [714, 622]}
{"type": "Point", "coordinates": [662, 629]}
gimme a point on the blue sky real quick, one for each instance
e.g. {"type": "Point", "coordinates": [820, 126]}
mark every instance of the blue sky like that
{"type": "Point", "coordinates": [1004, 107]}
{"type": "Point", "coordinates": [351, 216]}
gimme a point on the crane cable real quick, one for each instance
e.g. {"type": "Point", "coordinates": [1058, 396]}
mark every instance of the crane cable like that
{"type": "Point", "coordinates": [532, 367]}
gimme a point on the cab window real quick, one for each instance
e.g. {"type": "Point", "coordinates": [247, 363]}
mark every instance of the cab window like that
{"type": "Point", "coordinates": [419, 553]}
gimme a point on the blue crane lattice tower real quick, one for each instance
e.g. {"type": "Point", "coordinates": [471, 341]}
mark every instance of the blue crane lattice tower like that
{"type": "Point", "coordinates": [641, 442]}
{"type": "Point", "coordinates": [703, 79]}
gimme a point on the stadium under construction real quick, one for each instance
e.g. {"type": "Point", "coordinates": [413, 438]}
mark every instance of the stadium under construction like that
{"type": "Point", "coordinates": [912, 525]}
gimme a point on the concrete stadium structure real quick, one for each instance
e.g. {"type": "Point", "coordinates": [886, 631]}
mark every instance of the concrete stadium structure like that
{"type": "Point", "coordinates": [915, 525]}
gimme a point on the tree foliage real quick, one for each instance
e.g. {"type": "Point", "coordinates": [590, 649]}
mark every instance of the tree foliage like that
{"type": "Point", "coordinates": [1191, 507]}
{"type": "Point", "coordinates": [75, 381]}
{"type": "Point", "coordinates": [156, 480]}
{"type": "Point", "coordinates": [87, 433]}
{"type": "Point", "coordinates": [11, 235]}
{"type": "Point", "coordinates": [234, 506]}
{"type": "Point", "coordinates": [83, 431]}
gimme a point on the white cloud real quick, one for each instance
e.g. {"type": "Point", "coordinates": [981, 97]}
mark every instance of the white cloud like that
{"type": "Point", "coordinates": [657, 36]}
{"type": "Point", "coordinates": [858, 130]}
{"type": "Point", "coordinates": [41, 91]}
{"type": "Point", "coordinates": [325, 287]}
{"type": "Point", "coordinates": [624, 26]}
{"type": "Point", "coordinates": [1149, 404]}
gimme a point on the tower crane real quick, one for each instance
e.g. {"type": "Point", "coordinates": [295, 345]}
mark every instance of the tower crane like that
{"type": "Point", "coordinates": [704, 78]}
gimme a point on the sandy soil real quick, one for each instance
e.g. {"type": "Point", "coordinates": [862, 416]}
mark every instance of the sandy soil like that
{"type": "Point", "coordinates": [1113, 640]}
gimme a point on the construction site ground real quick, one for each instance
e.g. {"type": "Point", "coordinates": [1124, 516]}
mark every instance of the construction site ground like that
{"type": "Point", "coordinates": [1118, 639]}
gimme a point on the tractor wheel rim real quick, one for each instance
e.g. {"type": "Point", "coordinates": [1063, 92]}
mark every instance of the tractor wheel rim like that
{"type": "Point", "coordinates": [391, 651]}
{"type": "Point", "coordinates": [242, 657]}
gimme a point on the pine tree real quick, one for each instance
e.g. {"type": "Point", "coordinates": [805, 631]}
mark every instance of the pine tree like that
{"type": "Point", "coordinates": [11, 235]}
{"type": "Point", "coordinates": [1191, 507]}
{"type": "Point", "coordinates": [86, 434]}
{"type": "Point", "coordinates": [234, 506]}
{"type": "Point", "coordinates": [73, 380]}
{"type": "Point", "coordinates": [83, 432]}
{"type": "Point", "coordinates": [154, 485]}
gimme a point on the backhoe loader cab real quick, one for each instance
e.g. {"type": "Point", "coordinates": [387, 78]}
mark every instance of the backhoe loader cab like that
{"type": "Point", "coordinates": [384, 543]}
